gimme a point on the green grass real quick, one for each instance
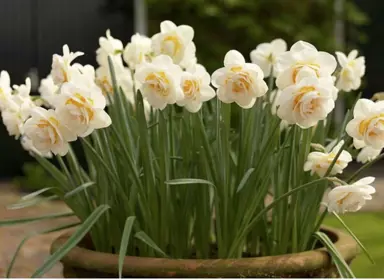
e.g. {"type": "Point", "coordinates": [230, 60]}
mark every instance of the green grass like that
{"type": "Point", "coordinates": [369, 228]}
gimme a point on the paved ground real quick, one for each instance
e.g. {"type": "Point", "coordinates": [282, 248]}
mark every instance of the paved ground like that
{"type": "Point", "coordinates": [36, 250]}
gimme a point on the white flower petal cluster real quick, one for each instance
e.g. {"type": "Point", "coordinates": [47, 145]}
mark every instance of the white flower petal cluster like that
{"type": "Point", "coordinates": [196, 89]}
{"type": "Point", "coordinates": [109, 46]}
{"type": "Point", "coordinates": [5, 89]}
{"type": "Point", "coordinates": [319, 162]}
{"type": "Point", "coordinates": [81, 108]}
{"type": "Point", "coordinates": [239, 81]}
{"type": "Point", "coordinates": [367, 154]}
{"type": "Point", "coordinates": [307, 102]}
{"type": "Point", "coordinates": [16, 107]}
{"type": "Point", "coordinates": [367, 126]}
{"type": "Point", "coordinates": [265, 55]}
{"type": "Point", "coordinates": [159, 81]}
{"type": "Point", "coordinates": [175, 42]}
{"type": "Point", "coordinates": [47, 133]}
{"type": "Point", "coordinates": [62, 71]}
{"type": "Point", "coordinates": [303, 56]}
{"type": "Point", "coordinates": [78, 108]}
{"type": "Point", "coordinates": [352, 70]}
{"type": "Point", "coordinates": [137, 51]}
{"type": "Point", "coordinates": [307, 85]}
{"type": "Point", "coordinates": [350, 198]}
{"type": "Point", "coordinates": [27, 144]}
{"type": "Point", "coordinates": [48, 91]}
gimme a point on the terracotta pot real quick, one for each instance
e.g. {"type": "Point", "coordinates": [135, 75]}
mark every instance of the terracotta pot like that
{"type": "Point", "coordinates": [84, 263]}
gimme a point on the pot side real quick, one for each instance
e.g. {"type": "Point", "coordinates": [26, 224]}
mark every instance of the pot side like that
{"type": "Point", "coordinates": [84, 263]}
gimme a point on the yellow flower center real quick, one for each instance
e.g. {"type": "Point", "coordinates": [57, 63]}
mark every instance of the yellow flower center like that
{"type": "Point", "coordinates": [191, 88]}
{"type": "Point", "coordinates": [48, 124]}
{"type": "Point", "coordinates": [241, 81]}
{"type": "Point", "coordinates": [105, 85]}
{"type": "Point", "coordinates": [158, 82]}
{"type": "Point", "coordinates": [173, 40]}
{"type": "Point", "coordinates": [82, 103]}
{"type": "Point", "coordinates": [363, 126]}
{"type": "Point", "coordinates": [341, 201]}
{"type": "Point", "coordinates": [299, 66]}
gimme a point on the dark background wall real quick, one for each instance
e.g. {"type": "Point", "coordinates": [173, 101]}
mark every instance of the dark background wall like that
{"type": "Point", "coordinates": [373, 48]}
{"type": "Point", "coordinates": [32, 30]}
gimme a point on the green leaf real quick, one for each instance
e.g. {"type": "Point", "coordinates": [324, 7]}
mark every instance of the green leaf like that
{"type": "Point", "coordinates": [341, 265]}
{"type": "Point", "coordinates": [245, 179]}
{"type": "Point", "coordinates": [80, 188]}
{"type": "Point", "coordinates": [28, 236]}
{"type": "Point", "coordinates": [31, 202]}
{"type": "Point", "coordinates": [187, 181]}
{"type": "Point", "coordinates": [34, 219]}
{"type": "Point", "coordinates": [124, 242]}
{"type": "Point", "coordinates": [354, 237]}
{"type": "Point", "coordinates": [76, 237]}
{"type": "Point", "coordinates": [34, 194]}
{"type": "Point", "coordinates": [141, 235]}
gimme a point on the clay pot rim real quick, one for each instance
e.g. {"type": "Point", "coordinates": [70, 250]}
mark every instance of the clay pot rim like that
{"type": "Point", "coordinates": [281, 265]}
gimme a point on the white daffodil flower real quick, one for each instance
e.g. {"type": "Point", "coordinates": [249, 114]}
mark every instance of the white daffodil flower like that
{"type": "Point", "coordinates": [159, 81]}
{"type": "Point", "coordinates": [367, 124]}
{"type": "Point", "coordinates": [303, 55]}
{"type": "Point", "coordinates": [189, 60]}
{"type": "Point", "coordinates": [195, 84]}
{"type": "Point", "coordinates": [48, 91]}
{"type": "Point", "coordinates": [123, 80]}
{"type": "Point", "coordinates": [367, 154]}
{"type": "Point", "coordinates": [352, 70]}
{"type": "Point", "coordinates": [173, 41]}
{"type": "Point", "coordinates": [47, 133]}
{"type": "Point", "coordinates": [27, 144]}
{"type": "Point", "coordinates": [239, 81]}
{"type": "Point", "coordinates": [5, 89]}
{"type": "Point", "coordinates": [318, 162]}
{"type": "Point", "coordinates": [307, 102]}
{"type": "Point", "coordinates": [61, 66]}
{"type": "Point", "coordinates": [81, 108]}
{"type": "Point", "coordinates": [109, 46]}
{"type": "Point", "coordinates": [350, 198]}
{"type": "Point", "coordinates": [137, 51]}
{"type": "Point", "coordinates": [265, 55]}
{"type": "Point", "coordinates": [15, 115]}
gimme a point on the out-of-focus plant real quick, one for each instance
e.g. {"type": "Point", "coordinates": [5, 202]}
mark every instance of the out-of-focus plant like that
{"type": "Point", "coordinates": [220, 25]}
{"type": "Point", "coordinates": [34, 178]}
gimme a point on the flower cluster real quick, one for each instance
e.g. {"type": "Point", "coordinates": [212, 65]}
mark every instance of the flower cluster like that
{"type": "Point", "coordinates": [164, 70]}
{"type": "Point", "coordinates": [77, 107]}
{"type": "Point", "coordinates": [304, 76]}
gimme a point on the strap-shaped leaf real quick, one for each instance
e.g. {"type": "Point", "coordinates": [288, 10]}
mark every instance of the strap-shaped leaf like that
{"type": "Point", "coordinates": [141, 235]}
{"type": "Point", "coordinates": [76, 237]}
{"type": "Point", "coordinates": [124, 242]}
{"type": "Point", "coordinates": [30, 235]}
{"type": "Point", "coordinates": [34, 219]}
{"type": "Point", "coordinates": [341, 265]}
{"type": "Point", "coordinates": [354, 237]}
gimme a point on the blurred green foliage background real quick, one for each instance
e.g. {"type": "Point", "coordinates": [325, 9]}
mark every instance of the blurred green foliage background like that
{"type": "Point", "coordinates": [221, 25]}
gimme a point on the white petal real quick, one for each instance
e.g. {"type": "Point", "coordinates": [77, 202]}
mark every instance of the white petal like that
{"type": "Point", "coordinates": [353, 54]}
{"type": "Point", "coordinates": [167, 26]}
{"type": "Point", "coordinates": [301, 45]}
{"type": "Point", "coordinates": [233, 57]}
{"type": "Point", "coordinates": [363, 108]}
{"type": "Point", "coordinates": [365, 181]}
{"type": "Point", "coordinates": [341, 57]}
{"type": "Point", "coordinates": [187, 32]}
{"type": "Point", "coordinates": [279, 45]}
